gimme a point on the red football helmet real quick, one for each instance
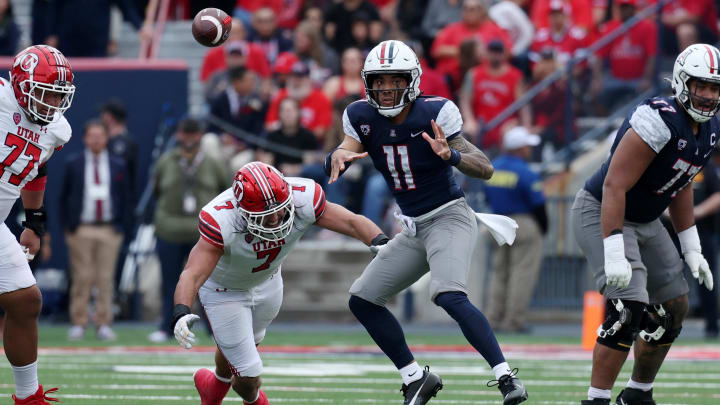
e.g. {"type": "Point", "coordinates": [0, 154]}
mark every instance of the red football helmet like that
{"type": "Point", "coordinates": [42, 80]}
{"type": "Point", "coordinates": [265, 200]}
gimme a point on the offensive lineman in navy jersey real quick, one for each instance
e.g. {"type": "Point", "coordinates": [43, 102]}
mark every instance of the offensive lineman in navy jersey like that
{"type": "Point", "coordinates": [658, 150]}
{"type": "Point", "coordinates": [440, 230]}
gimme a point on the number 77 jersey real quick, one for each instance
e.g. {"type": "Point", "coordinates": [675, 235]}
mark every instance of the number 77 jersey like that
{"type": "Point", "coordinates": [248, 260]}
{"type": "Point", "coordinates": [24, 146]}
{"type": "Point", "coordinates": [681, 155]}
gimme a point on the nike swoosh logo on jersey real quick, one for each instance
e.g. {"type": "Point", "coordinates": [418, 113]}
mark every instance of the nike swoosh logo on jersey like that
{"type": "Point", "coordinates": [416, 134]}
{"type": "Point", "coordinates": [414, 372]}
{"type": "Point", "coordinates": [707, 154]}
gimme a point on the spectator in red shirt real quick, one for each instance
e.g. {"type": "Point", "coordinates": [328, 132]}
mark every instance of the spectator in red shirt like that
{"type": "Point", "coordinates": [580, 12]}
{"type": "Point", "coordinates": [631, 59]}
{"type": "Point", "coordinates": [686, 22]}
{"type": "Point", "coordinates": [216, 58]}
{"type": "Point", "coordinates": [560, 35]}
{"type": "Point", "coordinates": [350, 81]}
{"type": "Point", "coordinates": [315, 108]}
{"type": "Point", "coordinates": [287, 11]}
{"type": "Point", "coordinates": [489, 89]}
{"type": "Point", "coordinates": [474, 23]}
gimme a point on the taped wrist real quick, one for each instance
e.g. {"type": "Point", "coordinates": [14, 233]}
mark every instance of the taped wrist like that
{"type": "Point", "coordinates": [381, 239]}
{"type": "Point", "coordinates": [689, 240]}
{"type": "Point", "coordinates": [35, 220]}
{"type": "Point", "coordinates": [614, 247]}
{"type": "Point", "coordinates": [179, 311]}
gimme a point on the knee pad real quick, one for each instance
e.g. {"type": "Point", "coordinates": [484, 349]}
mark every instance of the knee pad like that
{"type": "Point", "coordinates": [622, 323]}
{"type": "Point", "coordinates": [657, 329]}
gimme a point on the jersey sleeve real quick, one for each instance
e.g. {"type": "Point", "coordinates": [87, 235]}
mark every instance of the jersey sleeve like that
{"type": "Point", "coordinates": [450, 120]}
{"type": "Point", "coordinates": [648, 123]}
{"type": "Point", "coordinates": [348, 128]}
{"type": "Point", "coordinates": [319, 201]}
{"type": "Point", "coordinates": [210, 230]}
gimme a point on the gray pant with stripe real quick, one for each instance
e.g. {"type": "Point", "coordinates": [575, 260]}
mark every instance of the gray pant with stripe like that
{"type": "Point", "coordinates": [443, 244]}
{"type": "Point", "coordinates": [657, 270]}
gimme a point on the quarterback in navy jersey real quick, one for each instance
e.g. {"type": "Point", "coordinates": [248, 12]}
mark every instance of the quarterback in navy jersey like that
{"type": "Point", "coordinates": [661, 146]}
{"type": "Point", "coordinates": [414, 141]}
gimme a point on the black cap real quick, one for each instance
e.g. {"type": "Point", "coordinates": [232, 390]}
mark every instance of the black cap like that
{"type": "Point", "coordinates": [299, 69]}
{"type": "Point", "coordinates": [496, 45]}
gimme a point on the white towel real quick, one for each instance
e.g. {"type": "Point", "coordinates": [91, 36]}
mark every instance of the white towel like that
{"type": "Point", "coordinates": [407, 223]}
{"type": "Point", "coordinates": [502, 228]}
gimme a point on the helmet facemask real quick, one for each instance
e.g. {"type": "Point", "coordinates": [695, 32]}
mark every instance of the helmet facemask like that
{"type": "Point", "coordinates": [256, 221]}
{"type": "Point", "coordinates": [39, 108]}
{"type": "Point", "coordinates": [700, 108]}
{"type": "Point", "coordinates": [402, 96]}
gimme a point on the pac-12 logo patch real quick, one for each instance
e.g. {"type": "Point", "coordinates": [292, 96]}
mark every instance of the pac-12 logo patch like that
{"type": "Point", "coordinates": [248, 238]}
{"type": "Point", "coordinates": [16, 118]}
{"type": "Point", "coordinates": [365, 129]}
{"type": "Point", "coordinates": [682, 143]}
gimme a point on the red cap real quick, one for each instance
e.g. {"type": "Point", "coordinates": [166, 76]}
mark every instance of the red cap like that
{"type": "Point", "coordinates": [284, 63]}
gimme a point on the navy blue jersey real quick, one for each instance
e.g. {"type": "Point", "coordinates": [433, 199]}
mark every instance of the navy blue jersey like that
{"type": "Point", "coordinates": [419, 179]}
{"type": "Point", "coordinates": [662, 123]}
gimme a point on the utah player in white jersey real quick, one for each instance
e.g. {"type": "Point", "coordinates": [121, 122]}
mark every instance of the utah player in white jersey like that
{"type": "Point", "coordinates": [32, 127]}
{"type": "Point", "coordinates": [246, 233]}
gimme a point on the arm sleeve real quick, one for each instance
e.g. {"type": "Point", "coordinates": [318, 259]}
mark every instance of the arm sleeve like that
{"type": "Point", "coordinates": [348, 128]}
{"type": "Point", "coordinates": [648, 123]}
{"type": "Point", "coordinates": [210, 230]}
{"type": "Point", "coordinates": [450, 120]}
{"type": "Point", "coordinates": [319, 201]}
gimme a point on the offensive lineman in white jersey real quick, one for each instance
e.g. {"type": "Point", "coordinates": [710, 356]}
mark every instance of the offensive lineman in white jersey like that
{"type": "Point", "coordinates": [32, 127]}
{"type": "Point", "coordinates": [246, 233]}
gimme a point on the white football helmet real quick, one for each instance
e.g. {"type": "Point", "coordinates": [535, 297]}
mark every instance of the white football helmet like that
{"type": "Point", "coordinates": [700, 62]}
{"type": "Point", "coordinates": [392, 57]}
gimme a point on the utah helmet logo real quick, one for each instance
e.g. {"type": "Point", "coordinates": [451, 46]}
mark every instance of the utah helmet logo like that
{"type": "Point", "coordinates": [28, 62]}
{"type": "Point", "coordinates": [16, 118]}
{"type": "Point", "coordinates": [365, 129]}
{"type": "Point", "coordinates": [239, 191]}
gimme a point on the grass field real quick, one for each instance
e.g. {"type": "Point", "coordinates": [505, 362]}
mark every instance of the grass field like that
{"type": "Point", "coordinates": [307, 367]}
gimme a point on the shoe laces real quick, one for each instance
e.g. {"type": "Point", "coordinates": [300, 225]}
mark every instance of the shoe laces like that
{"type": "Point", "coordinates": [50, 391]}
{"type": "Point", "coordinates": [504, 380]}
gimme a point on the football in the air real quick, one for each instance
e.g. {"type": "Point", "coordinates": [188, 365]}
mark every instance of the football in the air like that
{"type": "Point", "coordinates": [211, 26]}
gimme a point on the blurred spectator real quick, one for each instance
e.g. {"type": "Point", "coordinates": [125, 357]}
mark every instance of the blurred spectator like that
{"type": "Point", "coordinates": [235, 52]}
{"type": "Point", "coordinates": [42, 22]}
{"type": "Point", "coordinates": [433, 83]}
{"type": "Point", "coordinates": [314, 17]}
{"type": "Point", "coordinates": [9, 30]}
{"type": "Point", "coordinates": [322, 60]}
{"type": "Point", "coordinates": [286, 11]}
{"type": "Point", "coordinates": [360, 31]}
{"type": "Point", "coordinates": [548, 107]}
{"type": "Point", "coordinates": [475, 23]}
{"type": "Point", "coordinates": [315, 108]}
{"type": "Point", "coordinates": [578, 11]}
{"type": "Point", "coordinates": [339, 16]}
{"type": "Point", "coordinates": [95, 212]}
{"type": "Point", "coordinates": [516, 191]}
{"type": "Point", "coordinates": [87, 33]}
{"type": "Point", "coordinates": [185, 179]}
{"type": "Point", "coordinates": [350, 81]}
{"type": "Point", "coordinates": [489, 89]}
{"type": "Point", "coordinates": [240, 105]}
{"type": "Point", "coordinates": [631, 58]}
{"type": "Point", "coordinates": [293, 135]}
{"type": "Point", "coordinates": [560, 35]}
{"type": "Point", "coordinates": [282, 67]}
{"type": "Point", "coordinates": [509, 16]}
{"type": "Point", "coordinates": [229, 149]}
{"type": "Point", "coordinates": [410, 15]}
{"type": "Point", "coordinates": [114, 117]}
{"type": "Point", "coordinates": [265, 33]}
{"type": "Point", "coordinates": [440, 14]}
{"type": "Point", "coordinates": [686, 22]}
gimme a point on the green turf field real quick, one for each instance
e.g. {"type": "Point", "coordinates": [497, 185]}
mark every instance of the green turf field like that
{"type": "Point", "coordinates": [344, 368]}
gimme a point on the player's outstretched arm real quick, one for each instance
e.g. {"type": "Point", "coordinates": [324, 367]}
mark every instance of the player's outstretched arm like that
{"type": "Point", "coordinates": [342, 157]}
{"type": "Point", "coordinates": [200, 264]}
{"type": "Point", "coordinates": [339, 219]}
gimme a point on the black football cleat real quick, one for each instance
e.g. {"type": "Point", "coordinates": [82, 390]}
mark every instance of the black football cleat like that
{"type": "Point", "coordinates": [419, 392]}
{"type": "Point", "coordinates": [634, 396]}
{"type": "Point", "coordinates": [512, 389]}
{"type": "Point", "coordinates": [595, 401]}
